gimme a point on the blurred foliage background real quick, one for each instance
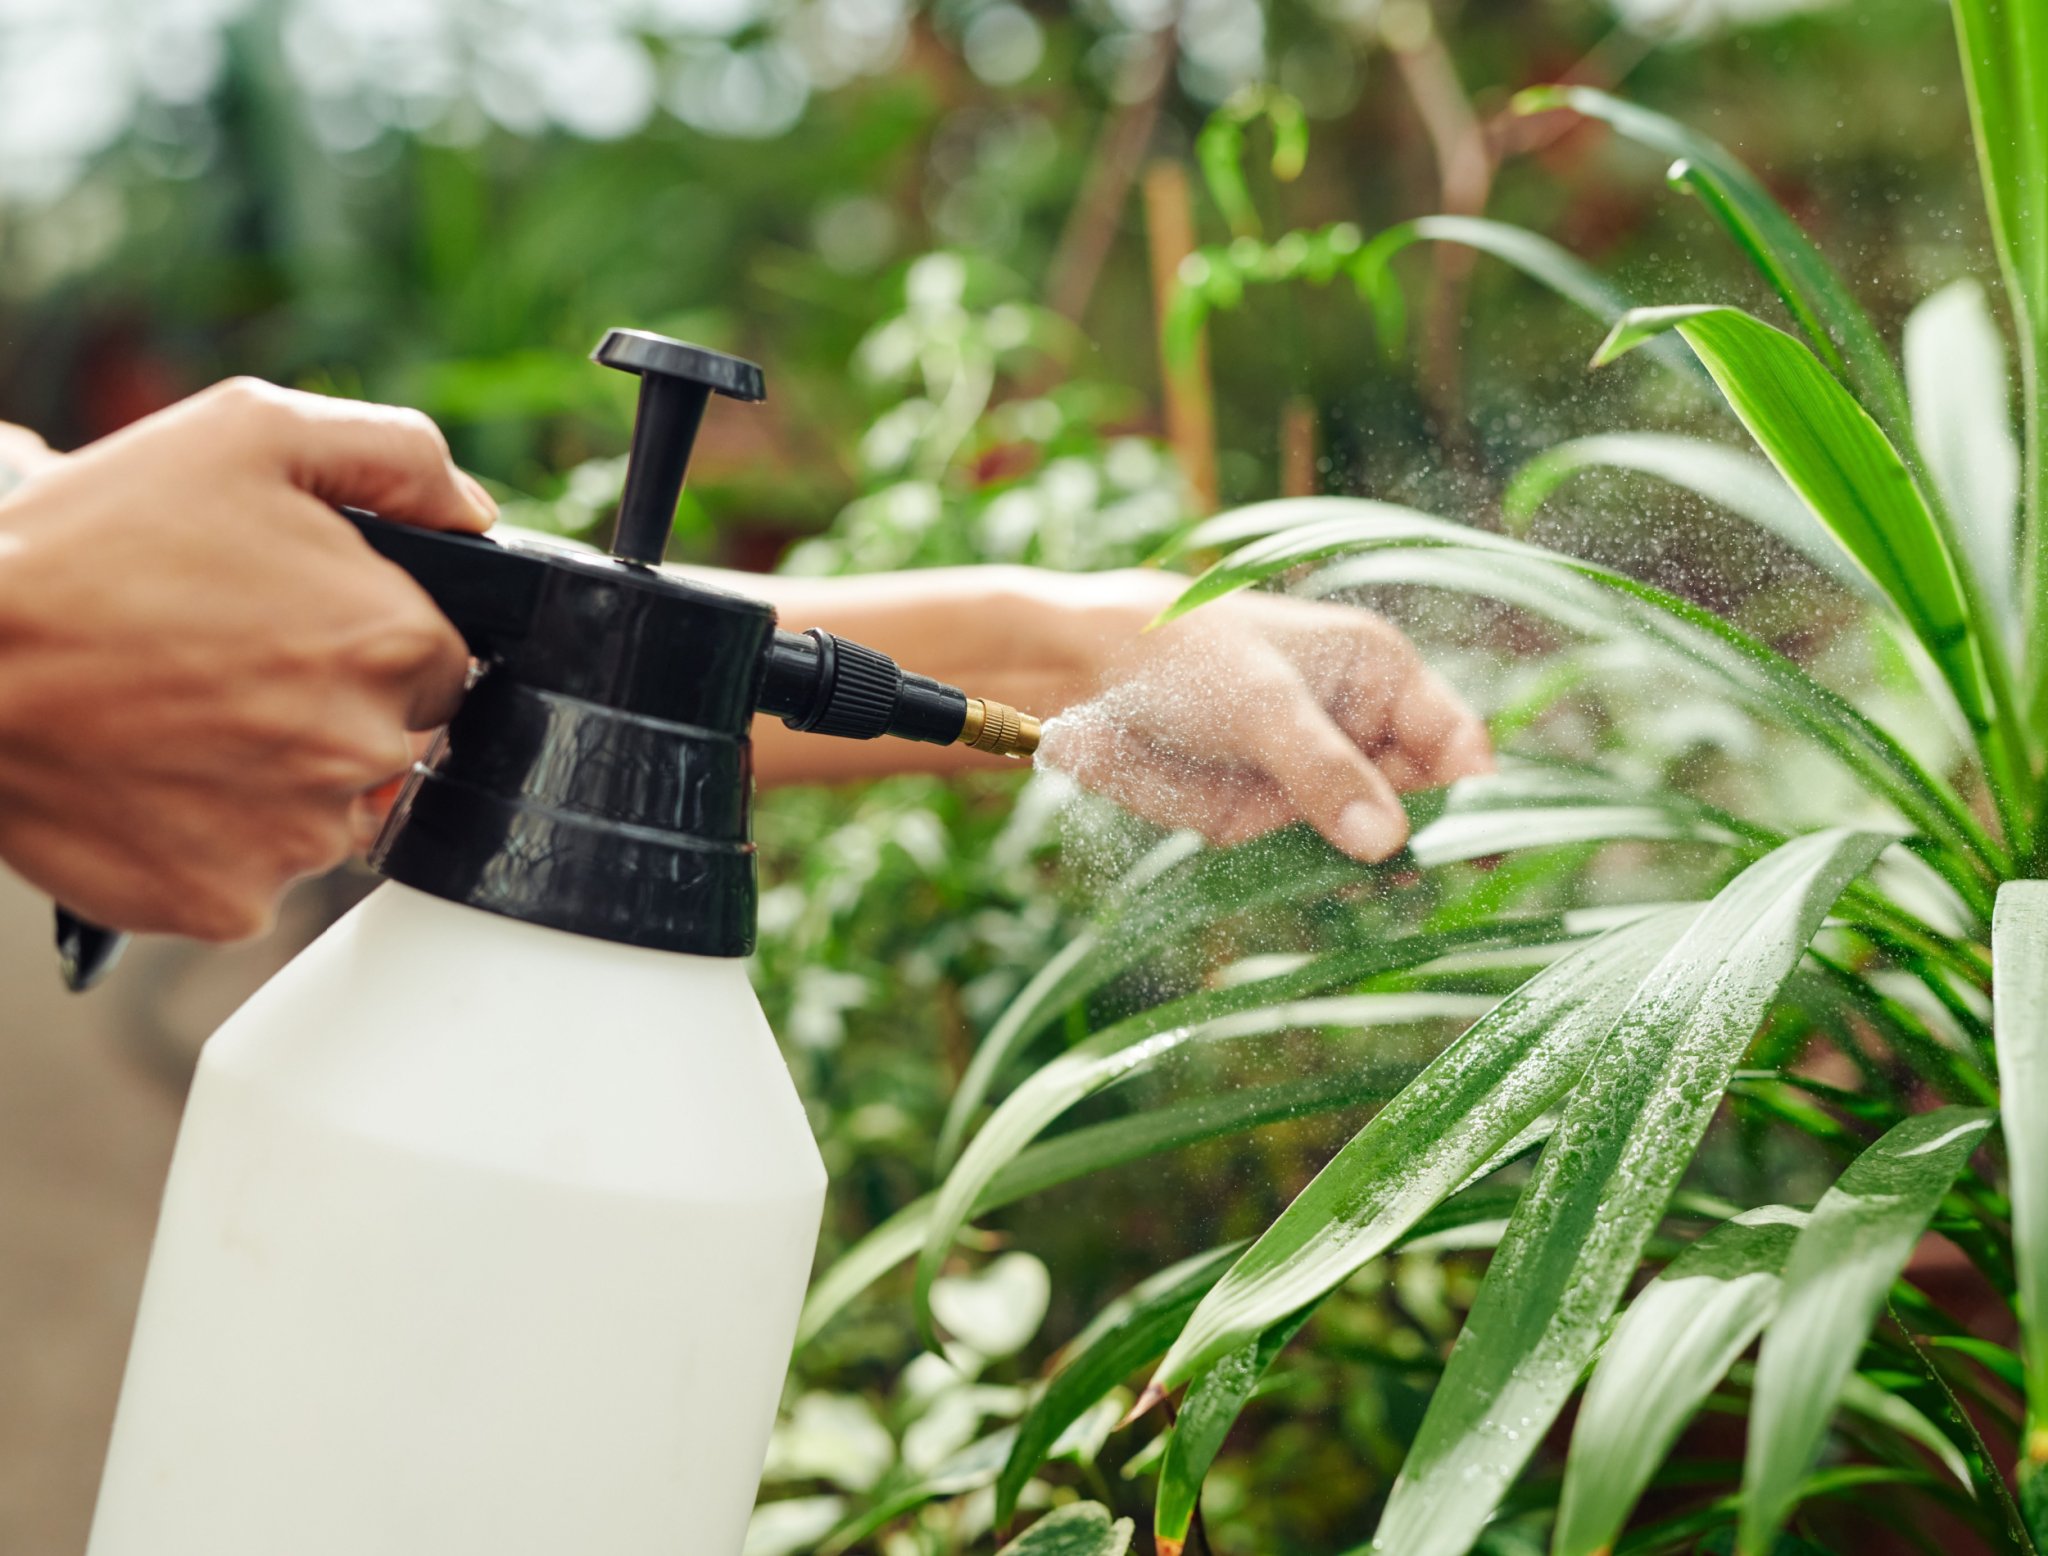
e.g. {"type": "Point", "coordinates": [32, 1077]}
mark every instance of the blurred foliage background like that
{"type": "Point", "coordinates": [940, 227]}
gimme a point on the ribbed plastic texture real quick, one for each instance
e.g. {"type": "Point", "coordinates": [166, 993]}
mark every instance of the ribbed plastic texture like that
{"type": "Point", "coordinates": [862, 696]}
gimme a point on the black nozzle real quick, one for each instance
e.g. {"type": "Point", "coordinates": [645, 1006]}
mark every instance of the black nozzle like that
{"type": "Point", "coordinates": [826, 685]}
{"type": "Point", "coordinates": [676, 379]}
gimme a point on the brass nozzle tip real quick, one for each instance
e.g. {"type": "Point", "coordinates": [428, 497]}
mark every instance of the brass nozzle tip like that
{"type": "Point", "coordinates": [998, 727]}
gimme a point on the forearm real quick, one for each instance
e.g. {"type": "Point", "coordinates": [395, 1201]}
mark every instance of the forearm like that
{"type": "Point", "coordinates": [1033, 639]}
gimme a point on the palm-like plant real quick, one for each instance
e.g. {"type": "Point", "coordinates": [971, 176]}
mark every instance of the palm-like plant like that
{"type": "Point", "coordinates": [1624, 1032]}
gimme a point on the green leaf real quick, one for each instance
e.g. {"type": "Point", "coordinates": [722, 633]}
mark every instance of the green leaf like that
{"type": "Point", "coordinates": [1137, 1327]}
{"type": "Point", "coordinates": [1628, 1131]}
{"type": "Point", "coordinates": [1727, 477]}
{"type": "Point", "coordinates": [1992, 1357]}
{"type": "Point", "coordinates": [1669, 1352]}
{"type": "Point", "coordinates": [1811, 290]}
{"type": "Point", "coordinates": [1125, 1335]}
{"type": "Point", "coordinates": [1962, 416]}
{"type": "Point", "coordinates": [1177, 890]}
{"type": "Point", "coordinates": [2003, 44]}
{"type": "Point", "coordinates": [1836, 457]}
{"type": "Point", "coordinates": [1856, 1242]}
{"type": "Point", "coordinates": [1078, 1529]}
{"type": "Point", "coordinates": [1536, 257]}
{"type": "Point", "coordinates": [1526, 805]}
{"type": "Point", "coordinates": [973, 1467]}
{"type": "Point", "coordinates": [1098, 1147]}
{"type": "Point", "coordinates": [1206, 1416]}
{"type": "Point", "coordinates": [1388, 543]}
{"type": "Point", "coordinates": [1863, 1397]}
{"type": "Point", "coordinates": [2019, 950]}
{"type": "Point", "coordinates": [1481, 1093]}
{"type": "Point", "coordinates": [1286, 1002]}
{"type": "Point", "coordinates": [1077, 1154]}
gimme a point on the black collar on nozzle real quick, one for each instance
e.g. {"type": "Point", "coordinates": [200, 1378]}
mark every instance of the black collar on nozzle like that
{"type": "Point", "coordinates": [598, 776]}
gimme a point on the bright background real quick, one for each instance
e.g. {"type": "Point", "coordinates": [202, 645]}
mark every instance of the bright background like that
{"type": "Point", "coordinates": [926, 222]}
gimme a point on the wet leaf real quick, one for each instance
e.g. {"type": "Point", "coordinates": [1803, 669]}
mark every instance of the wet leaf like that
{"type": "Point", "coordinates": [1727, 477]}
{"type": "Point", "coordinates": [1503, 1075]}
{"type": "Point", "coordinates": [1386, 543]}
{"type": "Point", "coordinates": [1206, 1416]}
{"type": "Point", "coordinates": [1625, 1135]}
{"type": "Point", "coordinates": [1836, 325]}
{"type": "Point", "coordinates": [2019, 950]}
{"type": "Point", "coordinates": [1076, 1154]}
{"type": "Point", "coordinates": [1669, 1351]}
{"type": "Point", "coordinates": [1853, 1247]}
{"type": "Point", "coordinates": [1287, 1001]}
{"type": "Point", "coordinates": [1838, 458]}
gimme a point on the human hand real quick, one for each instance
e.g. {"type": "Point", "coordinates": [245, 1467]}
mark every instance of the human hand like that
{"type": "Point", "coordinates": [204, 669]}
{"type": "Point", "coordinates": [1256, 711]}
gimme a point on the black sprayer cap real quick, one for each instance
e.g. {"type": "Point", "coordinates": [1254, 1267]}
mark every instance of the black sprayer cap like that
{"type": "Point", "coordinates": [598, 777]}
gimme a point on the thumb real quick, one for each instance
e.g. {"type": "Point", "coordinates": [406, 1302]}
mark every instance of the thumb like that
{"type": "Point", "coordinates": [1334, 787]}
{"type": "Point", "coordinates": [380, 457]}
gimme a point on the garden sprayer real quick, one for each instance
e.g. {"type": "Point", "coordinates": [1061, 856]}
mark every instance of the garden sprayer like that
{"type": "Point", "coordinates": [491, 1214]}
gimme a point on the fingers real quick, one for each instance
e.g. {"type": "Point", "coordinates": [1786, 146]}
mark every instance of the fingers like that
{"type": "Point", "coordinates": [1333, 785]}
{"type": "Point", "coordinates": [368, 456]}
{"type": "Point", "coordinates": [1287, 762]}
{"type": "Point", "coordinates": [1435, 737]}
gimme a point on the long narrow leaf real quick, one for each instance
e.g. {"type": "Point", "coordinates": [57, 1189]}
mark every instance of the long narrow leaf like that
{"type": "Point", "coordinates": [1670, 1350]}
{"type": "Point", "coordinates": [1627, 1133]}
{"type": "Point", "coordinates": [1535, 256]}
{"type": "Point", "coordinates": [2019, 950]}
{"type": "Point", "coordinates": [1098, 1147]}
{"type": "Point", "coordinates": [1121, 1338]}
{"type": "Point", "coordinates": [1839, 459]}
{"type": "Point", "coordinates": [1529, 805]}
{"type": "Point", "coordinates": [1855, 1244]}
{"type": "Point", "coordinates": [1205, 1419]}
{"type": "Point", "coordinates": [1405, 545]}
{"type": "Point", "coordinates": [2002, 44]}
{"type": "Point", "coordinates": [1174, 892]}
{"type": "Point", "coordinates": [1135, 1044]}
{"type": "Point", "coordinates": [1727, 477]}
{"type": "Point", "coordinates": [1480, 1093]}
{"type": "Point", "coordinates": [1815, 295]}
{"type": "Point", "coordinates": [1962, 415]}
{"type": "Point", "coordinates": [1830, 450]}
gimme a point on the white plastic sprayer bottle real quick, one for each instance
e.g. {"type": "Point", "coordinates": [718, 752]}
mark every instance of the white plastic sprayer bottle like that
{"type": "Point", "coordinates": [491, 1214]}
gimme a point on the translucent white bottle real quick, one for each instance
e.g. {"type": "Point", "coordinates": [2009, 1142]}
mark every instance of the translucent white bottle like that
{"type": "Point", "coordinates": [482, 1239]}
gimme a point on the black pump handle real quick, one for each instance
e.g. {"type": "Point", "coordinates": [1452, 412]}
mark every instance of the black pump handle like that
{"type": "Point", "coordinates": [676, 380]}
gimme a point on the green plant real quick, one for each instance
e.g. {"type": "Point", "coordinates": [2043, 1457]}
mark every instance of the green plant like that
{"type": "Point", "coordinates": [1825, 1002]}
